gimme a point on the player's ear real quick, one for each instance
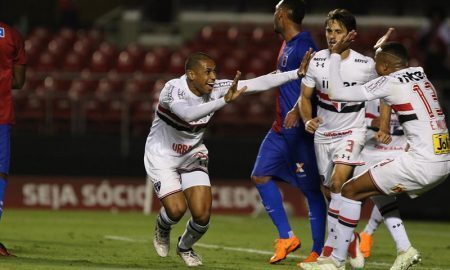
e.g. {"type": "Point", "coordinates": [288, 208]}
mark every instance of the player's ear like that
{"type": "Point", "coordinates": [190, 74]}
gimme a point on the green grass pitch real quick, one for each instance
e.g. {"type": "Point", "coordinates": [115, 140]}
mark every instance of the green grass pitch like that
{"type": "Point", "coordinates": [100, 240]}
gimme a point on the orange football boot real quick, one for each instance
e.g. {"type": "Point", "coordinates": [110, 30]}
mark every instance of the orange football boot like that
{"type": "Point", "coordinates": [283, 247]}
{"type": "Point", "coordinates": [366, 244]}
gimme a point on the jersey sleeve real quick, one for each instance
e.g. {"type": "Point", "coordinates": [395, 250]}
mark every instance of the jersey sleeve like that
{"type": "Point", "coordinates": [174, 99]}
{"type": "Point", "coordinates": [308, 80]}
{"type": "Point", "coordinates": [268, 81]}
{"type": "Point", "coordinates": [20, 56]}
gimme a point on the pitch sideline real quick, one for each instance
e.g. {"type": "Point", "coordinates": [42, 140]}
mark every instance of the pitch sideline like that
{"type": "Point", "coordinates": [376, 265]}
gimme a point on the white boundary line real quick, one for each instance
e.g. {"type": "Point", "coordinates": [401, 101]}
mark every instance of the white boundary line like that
{"type": "Point", "coordinates": [373, 264]}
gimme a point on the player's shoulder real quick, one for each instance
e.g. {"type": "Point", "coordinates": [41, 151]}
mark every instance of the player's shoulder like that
{"type": "Point", "coordinates": [321, 56]}
{"type": "Point", "coordinates": [360, 58]}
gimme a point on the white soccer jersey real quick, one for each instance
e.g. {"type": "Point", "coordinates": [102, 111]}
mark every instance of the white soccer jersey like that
{"type": "Point", "coordinates": [172, 136]}
{"type": "Point", "coordinates": [339, 118]}
{"type": "Point", "coordinates": [415, 101]}
{"type": "Point", "coordinates": [398, 142]}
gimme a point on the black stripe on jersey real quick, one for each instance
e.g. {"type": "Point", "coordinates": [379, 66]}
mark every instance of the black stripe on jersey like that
{"type": "Point", "coordinates": [333, 215]}
{"type": "Point", "coordinates": [179, 127]}
{"type": "Point", "coordinates": [346, 109]}
{"type": "Point", "coordinates": [402, 118]}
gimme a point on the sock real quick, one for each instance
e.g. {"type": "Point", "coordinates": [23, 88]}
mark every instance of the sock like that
{"type": "Point", "coordinates": [391, 215]}
{"type": "Point", "coordinates": [333, 213]}
{"type": "Point", "coordinates": [2, 194]}
{"type": "Point", "coordinates": [192, 234]}
{"type": "Point", "coordinates": [317, 217]}
{"type": "Point", "coordinates": [273, 203]}
{"type": "Point", "coordinates": [164, 222]}
{"type": "Point", "coordinates": [349, 215]}
{"type": "Point", "coordinates": [374, 221]}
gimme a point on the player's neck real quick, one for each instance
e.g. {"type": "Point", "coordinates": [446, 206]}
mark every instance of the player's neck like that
{"type": "Point", "coordinates": [290, 32]}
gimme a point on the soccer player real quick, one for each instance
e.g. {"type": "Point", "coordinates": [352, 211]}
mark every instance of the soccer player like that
{"type": "Point", "coordinates": [427, 162]}
{"type": "Point", "coordinates": [12, 75]}
{"type": "Point", "coordinates": [287, 152]}
{"type": "Point", "coordinates": [339, 127]}
{"type": "Point", "coordinates": [373, 153]}
{"type": "Point", "coordinates": [175, 157]}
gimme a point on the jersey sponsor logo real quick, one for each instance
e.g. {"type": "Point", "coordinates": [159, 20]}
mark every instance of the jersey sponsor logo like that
{"type": "Point", "coordinates": [181, 148]}
{"type": "Point", "coordinates": [222, 84]}
{"type": "Point", "coordinates": [2, 32]}
{"type": "Point", "coordinates": [361, 60]}
{"type": "Point", "coordinates": [441, 143]}
{"type": "Point", "coordinates": [319, 58]}
{"type": "Point", "coordinates": [376, 85]}
{"type": "Point", "coordinates": [157, 186]}
{"type": "Point", "coordinates": [338, 133]}
{"type": "Point", "coordinates": [411, 76]}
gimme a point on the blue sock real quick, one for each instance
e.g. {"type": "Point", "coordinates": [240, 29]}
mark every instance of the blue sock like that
{"type": "Point", "coordinates": [2, 193]}
{"type": "Point", "coordinates": [317, 217]}
{"type": "Point", "coordinates": [272, 201]}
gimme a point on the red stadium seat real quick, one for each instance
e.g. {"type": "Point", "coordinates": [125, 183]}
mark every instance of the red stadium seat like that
{"type": "Point", "coordinates": [99, 62]}
{"type": "Point", "coordinates": [152, 64]}
{"type": "Point", "coordinates": [58, 47]}
{"type": "Point", "coordinates": [176, 64]}
{"type": "Point", "coordinates": [83, 47]}
{"type": "Point", "coordinates": [125, 63]}
{"type": "Point", "coordinates": [73, 62]}
{"type": "Point", "coordinates": [46, 62]}
{"type": "Point", "coordinates": [108, 49]}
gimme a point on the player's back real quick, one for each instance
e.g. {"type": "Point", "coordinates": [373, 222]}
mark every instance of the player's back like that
{"type": "Point", "coordinates": [415, 101]}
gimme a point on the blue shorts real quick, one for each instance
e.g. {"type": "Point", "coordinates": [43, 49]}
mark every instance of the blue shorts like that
{"type": "Point", "coordinates": [5, 146]}
{"type": "Point", "coordinates": [289, 158]}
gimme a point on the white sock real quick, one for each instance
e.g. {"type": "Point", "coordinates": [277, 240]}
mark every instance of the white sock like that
{"type": "Point", "coordinates": [164, 221]}
{"type": "Point", "coordinates": [192, 234]}
{"type": "Point", "coordinates": [374, 221]}
{"type": "Point", "coordinates": [333, 213]}
{"type": "Point", "coordinates": [388, 207]}
{"type": "Point", "coordinates": [349, 215]}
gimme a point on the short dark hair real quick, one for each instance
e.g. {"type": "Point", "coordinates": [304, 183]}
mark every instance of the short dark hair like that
{"type": "Point", "coordinates": [395, 48]}
{"type": "Point", "coordinates": [344, 17]}
{"type": "Point", "coordinates": [194, 58]}
{"type": "Point", "coordinates": [296, 9]}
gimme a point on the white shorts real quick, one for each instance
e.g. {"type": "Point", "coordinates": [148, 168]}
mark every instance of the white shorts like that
{"type": "Point", "coordinates": [345, 151]}
{"type": "Point", "coordinates": [173, 174]}
{"type": "Point", "coordinates": [375, 152]}
{"type": "Point", "coordinates": [405, 173]}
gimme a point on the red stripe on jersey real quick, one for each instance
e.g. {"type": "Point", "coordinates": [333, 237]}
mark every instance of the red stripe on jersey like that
{"type": "Point", "coordinates": [371, 116]}
{"type": "Point", "coordinates": [402, 107]}
{"type": "Point", "coordinates": [323, 96]}
{"type": "Point", "coordinates": [334, 211]}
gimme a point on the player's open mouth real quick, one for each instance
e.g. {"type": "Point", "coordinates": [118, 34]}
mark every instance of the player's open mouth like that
{"type": "Point", "coordinates": [210, 85]}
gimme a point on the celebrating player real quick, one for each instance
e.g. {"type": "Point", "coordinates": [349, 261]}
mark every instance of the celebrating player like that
{"type": "Point", "coordinates": [427, 162]}
{"type": "Point", "coordinates": [339, 127]}
{"type": "Point", "coordinates": [373, 153]}
{"type": "Point", "coordinates": [175, 157]}
{"type": "Point", "coordinates": [12, 74]}
{"type": "Point", "coordinates": [287, 152]}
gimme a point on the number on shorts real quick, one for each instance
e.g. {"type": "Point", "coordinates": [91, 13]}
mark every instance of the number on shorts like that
{"type": "Point", "coordinates": [350, 144]}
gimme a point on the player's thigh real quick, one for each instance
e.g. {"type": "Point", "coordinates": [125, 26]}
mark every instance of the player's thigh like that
{"type": "Point", "coordinates": [360, 188]}
{"type": "Point", "coordinates": [5, 146]}
{"type": "Point", "coordinates": [324, 163]}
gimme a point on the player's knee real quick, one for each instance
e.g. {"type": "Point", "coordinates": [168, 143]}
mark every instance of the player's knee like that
{"type": "Point", "coordinates": [176, 210]}
{"type": "Point", "coordinates": [202, 217]}
{"type": "Point", "coordinates": [260, 179]}
{"type": "Point", "coordinates": [348, 191]}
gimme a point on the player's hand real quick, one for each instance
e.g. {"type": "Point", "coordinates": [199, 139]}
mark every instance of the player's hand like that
{"type": "Point", "coordinates": [233, 92]}
{"type": "Point", "coordinates": [383, 137]}
{"type": "Point", "coordinates": [384, 38]}
{"type": "Point", "coordinates": [344, 44]}
{"type": "Point", "coordinates": [313, 124]}
{"type": "Point", "coordinates": [301, 72]}
{"type": "Point", "coordinates": [292, 119]}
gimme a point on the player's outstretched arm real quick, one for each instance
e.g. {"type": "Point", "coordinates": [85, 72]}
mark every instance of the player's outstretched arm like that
{"type": "Point", "coordinates": [233, 92]}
